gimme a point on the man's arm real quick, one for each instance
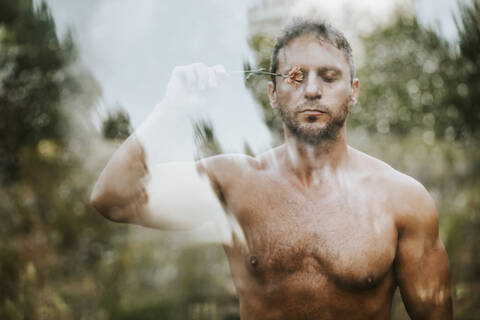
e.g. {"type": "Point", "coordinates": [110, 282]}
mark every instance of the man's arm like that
{"type": "Point", "coordinates": [136, 187]}
{"type": "Point", "coordinates": [169, 196]}
{"type": "Point", "coordinates": [421, 264]}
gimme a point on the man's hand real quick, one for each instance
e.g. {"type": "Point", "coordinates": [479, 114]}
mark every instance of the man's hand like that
{"type": "Point", "coordinates": [188, 91]}
{"type": "Point", "coordinates": [189, 83]}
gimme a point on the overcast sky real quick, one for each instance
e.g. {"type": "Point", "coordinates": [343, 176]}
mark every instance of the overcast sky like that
{"type": "Point", "coordinates": [132, 46]}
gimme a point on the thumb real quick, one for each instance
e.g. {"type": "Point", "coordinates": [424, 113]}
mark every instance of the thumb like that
{"type": "Point", "coordinates": [220, 70]}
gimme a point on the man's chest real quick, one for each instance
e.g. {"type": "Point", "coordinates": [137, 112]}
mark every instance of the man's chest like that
{"type": "Point", "coordinates": [349, 238]}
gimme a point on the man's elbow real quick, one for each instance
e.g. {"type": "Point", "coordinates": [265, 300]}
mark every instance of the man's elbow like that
{"type": "Point", "coordinates": [110, 209]}
{"type": "Point", "coordinates": [100, 204]}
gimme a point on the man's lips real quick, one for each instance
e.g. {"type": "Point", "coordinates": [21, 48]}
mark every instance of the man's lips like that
{"type": "Point", "coordinates": [312, 112]}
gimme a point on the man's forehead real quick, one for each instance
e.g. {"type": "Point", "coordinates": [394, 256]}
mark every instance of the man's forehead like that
{"type": "Point", "coordinates": [312, 51]}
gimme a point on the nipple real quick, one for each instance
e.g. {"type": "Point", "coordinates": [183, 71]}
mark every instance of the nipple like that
{"type": "Point", "coordinates": [253, 261]}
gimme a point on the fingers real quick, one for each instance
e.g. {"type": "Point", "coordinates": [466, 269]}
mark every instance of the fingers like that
{"type": "Point", "coordinates": [187, 82]}
{"type": "Point", "coordinates": [208, 77]}
{"type": "Point", "coordinates": [219, 70]}
{"type": "Point", "coordinates": [190, 78]}
{"type": "Point", "coordinates": [199, 72]}
{"type": "Point", "coordinates": [199, 76]}
{"type": "Point", "coordinates": [212, 78]}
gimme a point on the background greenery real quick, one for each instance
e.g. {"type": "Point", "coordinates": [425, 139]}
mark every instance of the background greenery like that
{"type": "Point", "coordinates": [418, 111]}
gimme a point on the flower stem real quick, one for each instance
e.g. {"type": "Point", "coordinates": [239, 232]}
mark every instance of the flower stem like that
{"type": "Point", "coordinates": [251, 72]}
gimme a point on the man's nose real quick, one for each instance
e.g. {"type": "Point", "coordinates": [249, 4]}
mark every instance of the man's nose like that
{"type": "Point", "coordinates": [313, 89]}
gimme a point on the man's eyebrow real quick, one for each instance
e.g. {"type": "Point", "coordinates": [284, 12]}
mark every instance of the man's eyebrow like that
{"type": "Point", "coordinates": [328, 69]}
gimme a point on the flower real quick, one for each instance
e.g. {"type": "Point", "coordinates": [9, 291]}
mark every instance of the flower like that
{"type": "Point", "coordinates": [295, 76]}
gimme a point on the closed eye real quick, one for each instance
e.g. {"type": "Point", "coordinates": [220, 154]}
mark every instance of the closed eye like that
{"type": "Point", "coordinates": [329, 79]}
{"type": "Point", "coordinates": [330, 75]}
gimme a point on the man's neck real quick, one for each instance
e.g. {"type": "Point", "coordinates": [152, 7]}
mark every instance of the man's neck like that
{"type": "Point", "coordinates": [315, 163]}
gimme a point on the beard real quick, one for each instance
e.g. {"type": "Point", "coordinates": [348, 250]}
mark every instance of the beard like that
{"type": "Point", "coordinates": [310, 132]}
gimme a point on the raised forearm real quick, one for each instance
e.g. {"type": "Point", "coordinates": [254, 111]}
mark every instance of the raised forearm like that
{"type": "Point", "coordinates": [123, 192]}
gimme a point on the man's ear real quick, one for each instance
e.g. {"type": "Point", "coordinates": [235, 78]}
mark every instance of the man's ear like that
{"type": "Point", "coordinates": [272, 95]}
{"type": "Point", "coordinates": [355, 92]}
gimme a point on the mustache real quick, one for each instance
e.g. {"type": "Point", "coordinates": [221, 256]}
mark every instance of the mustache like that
{"type": "Point", "coordinates": [312, 106]}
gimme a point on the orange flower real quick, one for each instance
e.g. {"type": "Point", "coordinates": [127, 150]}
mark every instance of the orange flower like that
{"type": "Point", "coordinates": [295, 76]}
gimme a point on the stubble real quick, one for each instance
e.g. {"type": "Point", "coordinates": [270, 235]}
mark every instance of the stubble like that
{"type": "Point", "coordinates": [309, 132]}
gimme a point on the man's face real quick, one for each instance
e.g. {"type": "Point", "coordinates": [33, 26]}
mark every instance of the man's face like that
{"type": "Point", "coordinates": [316, 109]}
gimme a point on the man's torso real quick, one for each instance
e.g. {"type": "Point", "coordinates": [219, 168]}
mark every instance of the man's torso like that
{"type": "Point", "coordinates": [325, 251]}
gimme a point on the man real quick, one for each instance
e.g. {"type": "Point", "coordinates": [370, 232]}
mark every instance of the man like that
{"type": "Point", "coordinates": [319, 230]}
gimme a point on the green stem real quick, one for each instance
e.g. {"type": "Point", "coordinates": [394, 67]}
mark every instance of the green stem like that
{"type": "Point", "coordinates": [267, 73]}
{"type": "Point", "coordinates": [261, 72]}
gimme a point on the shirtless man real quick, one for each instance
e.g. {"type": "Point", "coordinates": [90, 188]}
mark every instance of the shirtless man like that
{"type": "Point", "coordinates": [326, 231]}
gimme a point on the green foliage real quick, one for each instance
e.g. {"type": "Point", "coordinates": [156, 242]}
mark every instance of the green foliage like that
{"type": "Point", "coordinates": [467, 95]}
{"type": "Point", "coordinates": [404, 81]}
{"type": "Point", "coordinates": [206, 142]}
{"type": "Point", "coordinates": [117, 125]}
{"type": "Point", "coordinates": [413, 79]}
{"type": "Point", "coordinates": [31, 68]}
{"type": "Point", "coordinates": [55, 240]}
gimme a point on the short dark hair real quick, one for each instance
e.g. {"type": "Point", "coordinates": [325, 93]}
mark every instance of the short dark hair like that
{"type": "Point", "coordinates": [321, 30]}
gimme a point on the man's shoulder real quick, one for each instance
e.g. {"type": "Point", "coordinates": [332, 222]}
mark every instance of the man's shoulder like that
{"type": "Point", "coordinates": [383, 173]}
{"type": "Point", "coordinates": [225, 169]}
{"type": "Point", "coordinates": [410, 201]}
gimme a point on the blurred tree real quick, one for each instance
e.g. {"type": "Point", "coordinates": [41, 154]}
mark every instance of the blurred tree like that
{"type": "Point", "coordinates": [117, 125]}
{"type": "Point", "coordinates": [466, 95]}
{"type": "Point", "coordinates": [204, 136]}
{"type": "Point", "coordinates": [416, 79]}
{"type": "Point", "coordinates": [32, 62]}
{"type": "Point", "coordinates": [51, 241]}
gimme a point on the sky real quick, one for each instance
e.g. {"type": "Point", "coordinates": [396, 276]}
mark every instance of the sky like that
{"type": "Point", "coordinates": [132, 49]}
